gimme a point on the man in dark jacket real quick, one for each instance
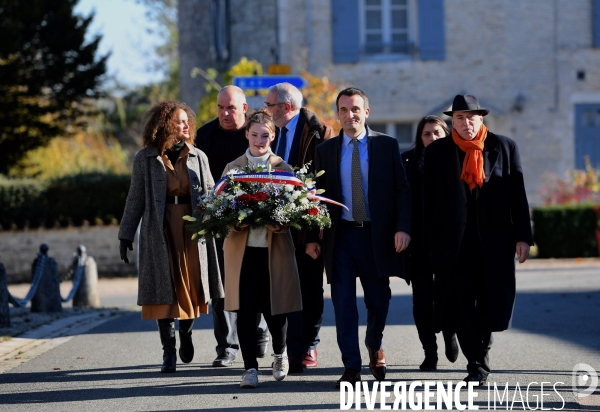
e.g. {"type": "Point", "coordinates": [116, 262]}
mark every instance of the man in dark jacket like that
{"type": "Point", "coordinates": [363, 170]}
{"type": "Point", "coordinates": [300, 131]}
{"type": "Point", "coordinates": [476, 216]}
{"type": "Point", "coordinates": [223, 140]}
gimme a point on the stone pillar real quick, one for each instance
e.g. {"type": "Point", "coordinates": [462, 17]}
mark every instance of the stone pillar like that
{"type": "Point", "coordinates": [87, 292]}
{"type": "Point", "coordinates": [4, 309]}
{"type": "Point", "coordinates": [47, 295]}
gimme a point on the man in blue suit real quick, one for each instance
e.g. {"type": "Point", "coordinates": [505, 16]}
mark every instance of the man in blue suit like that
{"type": "Point", "coordinates": [363, 170]}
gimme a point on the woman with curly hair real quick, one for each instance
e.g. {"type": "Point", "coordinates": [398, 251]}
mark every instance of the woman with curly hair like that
{"type": "Point", "coordinates": [261, 274]}
{"type": "Point", "coordinates": [177, 277]}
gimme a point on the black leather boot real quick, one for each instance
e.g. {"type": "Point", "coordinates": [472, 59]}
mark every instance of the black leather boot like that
{"type": "Point", "coordinates": [166, 329]}
{"type": "Point", "coordinates": [186, 347]}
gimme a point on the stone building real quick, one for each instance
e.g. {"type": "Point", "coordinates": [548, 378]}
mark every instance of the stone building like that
{"type": "Point", "coordinates": [534, 63]}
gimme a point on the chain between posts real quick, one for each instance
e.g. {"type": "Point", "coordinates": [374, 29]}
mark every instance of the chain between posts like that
{"type": "Point", "coordinates": [37, 276]}
{"type": "Point", "coordinates": [76, 278]}
{"type": "Point", "coordinates": [39, 270]}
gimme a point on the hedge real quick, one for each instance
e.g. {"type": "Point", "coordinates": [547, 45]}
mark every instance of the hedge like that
{"type": "Point", "coordinates": [566, 231]}
{"type": "Point", "coordinates": [95, 198]}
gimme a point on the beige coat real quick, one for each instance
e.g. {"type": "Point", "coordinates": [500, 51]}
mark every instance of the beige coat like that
{"type": "Point", "coordinates": [285, 283]}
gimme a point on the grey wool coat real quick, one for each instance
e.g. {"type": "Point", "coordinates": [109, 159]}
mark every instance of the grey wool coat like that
{"type": "Point", "coordinates": [146, 201]}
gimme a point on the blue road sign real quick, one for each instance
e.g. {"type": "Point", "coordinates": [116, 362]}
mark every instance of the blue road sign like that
{"type": "Point", "coordinates": [264, 82]}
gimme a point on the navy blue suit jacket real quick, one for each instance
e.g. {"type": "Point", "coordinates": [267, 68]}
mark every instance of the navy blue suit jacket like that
{"type": "Point", "coordinates": [389, 200]}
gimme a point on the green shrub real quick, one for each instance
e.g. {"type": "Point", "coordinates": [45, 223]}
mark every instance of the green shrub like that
{"type": "Point", "coordinates": [566, 231]}
{"type": "Point", "coordinates": [20, 202]}
{"type": "Point", "coordinates": [95, 198]}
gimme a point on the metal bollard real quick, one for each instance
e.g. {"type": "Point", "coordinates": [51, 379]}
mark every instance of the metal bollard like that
{"type": "Point", "coordinates": [47, 296]}
{"type": "Point", "coordinates": [4, 310]}
{"type": "Point", "coordinates": [87, 293]}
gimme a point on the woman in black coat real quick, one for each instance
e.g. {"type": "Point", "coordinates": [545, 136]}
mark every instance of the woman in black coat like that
{"type": "Point", "coordinates": [430, 128]}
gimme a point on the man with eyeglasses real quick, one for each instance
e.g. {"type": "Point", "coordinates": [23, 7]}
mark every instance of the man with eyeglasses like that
{"type": "Point", "coordinates": [223, 140]}
{"type": "Point", "coordinates": [300, 132]}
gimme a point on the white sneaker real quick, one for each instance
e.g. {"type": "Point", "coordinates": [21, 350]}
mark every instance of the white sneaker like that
{"type": "Point", "coordinates": [249, 379]}
{"type": "Point", "coordinates": [281, 366]}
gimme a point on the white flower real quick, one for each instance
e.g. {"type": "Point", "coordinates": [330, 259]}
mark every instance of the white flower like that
{"type": "Point", "coordinates": [289, 188]}
{"type": "Point", "coordinates": [304, 201]}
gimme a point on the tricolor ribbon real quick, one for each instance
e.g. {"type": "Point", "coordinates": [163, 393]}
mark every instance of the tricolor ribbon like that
{"type": "Point", "coordinates": [277, 177]}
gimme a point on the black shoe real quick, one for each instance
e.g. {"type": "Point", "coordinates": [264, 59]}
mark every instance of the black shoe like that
{"type": "Point", "coordinates": [169, 363]}
{"type": "Point", "coordinates": [451, 347]}
{"type": "Point", "coordinates": [476, 377]}
{"type": "Point", "coordinates": [224, 359]}
{"type": "Point", "coordinates": [261, 349]}
{"type": "Point", "coordinates": [296, 365]}
{"type": "Point", "coordinates": [350, 375]}
{"type": "Point", "coordinates": [430, 363]}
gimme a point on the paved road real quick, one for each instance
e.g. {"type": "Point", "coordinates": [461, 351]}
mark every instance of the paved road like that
{"type": "Point", "coordinates": [114, 365]}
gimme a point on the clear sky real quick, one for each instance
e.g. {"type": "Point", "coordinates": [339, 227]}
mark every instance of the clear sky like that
{"type": "Point", "coordinates": [123, 24]}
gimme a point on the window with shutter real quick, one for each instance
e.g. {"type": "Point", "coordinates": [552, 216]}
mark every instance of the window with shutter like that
{"type": "Point", "coordinates": [388, 29]}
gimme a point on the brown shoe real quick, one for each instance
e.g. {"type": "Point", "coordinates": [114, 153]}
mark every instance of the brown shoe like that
{"type": "Point", "coordinates": [377, 363]}
{"type": "Point", "coordinates": [310, 359]}
{"type": "Point", "coordinates": [350, 375]}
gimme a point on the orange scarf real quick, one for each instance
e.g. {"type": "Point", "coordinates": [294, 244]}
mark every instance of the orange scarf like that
{"type": "Point", "coordinates": [472, 170]}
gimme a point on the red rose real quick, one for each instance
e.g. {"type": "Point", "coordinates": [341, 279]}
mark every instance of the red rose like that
{"type": "Point", "coordinates": [244, 198]}
{"type": "Point", "coordinates": [260, 197]}
{"type": "Point", "coordinates": [313, 211]}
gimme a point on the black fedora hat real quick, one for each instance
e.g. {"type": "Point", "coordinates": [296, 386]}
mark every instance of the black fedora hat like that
{"type": "Point", "coordinates": [466, 103]}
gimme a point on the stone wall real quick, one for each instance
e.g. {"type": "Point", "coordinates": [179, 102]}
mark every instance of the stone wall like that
{"type": "Point", "coordinates": [497, 50]}
{"type": "Point", "coordinates": [18, 249]}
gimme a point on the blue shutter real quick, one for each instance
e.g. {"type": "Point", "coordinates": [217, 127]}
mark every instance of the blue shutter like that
{"type": "Point", "coordinates": [432, 38]}
{"type": "Point", "coordinates": [346, 40]}
{"type": "Point", "coordinates": [596, 23]}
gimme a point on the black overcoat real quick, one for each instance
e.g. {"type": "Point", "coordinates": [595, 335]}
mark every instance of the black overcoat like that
{"type": "Point", "coordinates": [389, 200]}
{"type": "Point", "coordinates": [502, 217]}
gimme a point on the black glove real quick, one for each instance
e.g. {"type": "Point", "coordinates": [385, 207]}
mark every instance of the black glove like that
{"type": "Point", "coordinates": [123, 246]}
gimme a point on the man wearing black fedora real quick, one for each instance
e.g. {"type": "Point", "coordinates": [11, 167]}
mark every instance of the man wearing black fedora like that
{"type": "Point", "coordinates": [476, 218]}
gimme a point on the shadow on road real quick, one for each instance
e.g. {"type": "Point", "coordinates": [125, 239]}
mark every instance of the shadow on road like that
{"type": "Point", "coordinates": [570, 316]}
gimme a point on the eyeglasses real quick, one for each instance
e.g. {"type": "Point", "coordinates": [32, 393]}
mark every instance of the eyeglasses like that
{"type": "Point", "coordinates": [272, 104]}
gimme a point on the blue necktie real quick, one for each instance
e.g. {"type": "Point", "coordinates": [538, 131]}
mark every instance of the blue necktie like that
{"type": "Point", "coordinates": [282, 144]}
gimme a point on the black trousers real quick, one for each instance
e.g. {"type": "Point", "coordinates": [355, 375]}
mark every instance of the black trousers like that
{"type": "Point", "coordinates": [225, 323]}
{"type": "Point", "coordinates": [471, 306]}
{"type": "Point", "coordinates": [255, 297]}
{"type": "Point", "coordinates": [304, 326]}
{"type": "Point", "coordinates": [422, 293]}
